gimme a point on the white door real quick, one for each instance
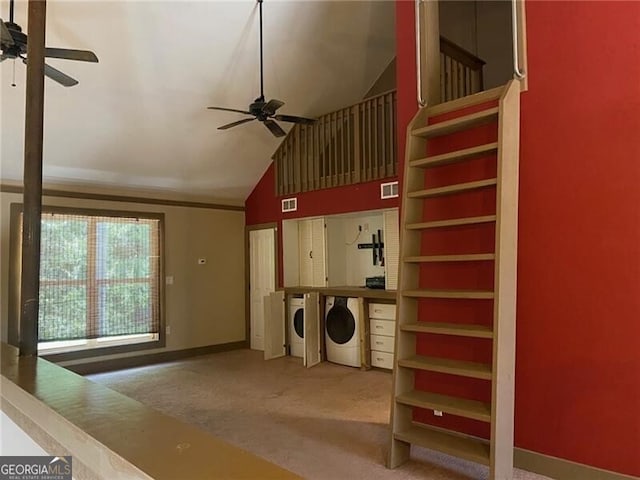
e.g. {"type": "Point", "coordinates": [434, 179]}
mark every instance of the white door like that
{"type": "Point", "coordinates": [274, 326]}
{"type": "Point", "coordinates": [305, 252]}
{"type": "Point", "coordinates": [262, 275]}
{"type": "Point", "coordinates": [391, 248]}
{"type": "Point", "coordinates": [318, 242]}
{"type": "Point", "coordinates": [312, 343]}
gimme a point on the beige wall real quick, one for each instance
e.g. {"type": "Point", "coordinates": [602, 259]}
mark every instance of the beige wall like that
{"type": "Point", "coordinates": [205, 305]}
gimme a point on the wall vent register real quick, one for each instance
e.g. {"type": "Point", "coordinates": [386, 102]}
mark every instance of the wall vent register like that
{"type": "Point", "coordinates": [290, 204]}
{"type": "Point", "coordinates": [389, 190]}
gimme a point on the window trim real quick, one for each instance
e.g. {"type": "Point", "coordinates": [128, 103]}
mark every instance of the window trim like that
{"type": "Point", "coordinates": [15, 247]}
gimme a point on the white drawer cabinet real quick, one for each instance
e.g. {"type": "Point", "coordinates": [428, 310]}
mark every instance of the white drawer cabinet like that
{"type": "Point", "coordinates": [383, 327]}
{"type": "Point", "coordinates": [383, 330]}
{"type": "Point", "coordinates": [382, 311]}
{"type": "Point", "coordinates": [382, 344]}
{"type": "Point", "coordinates": [382, 359]}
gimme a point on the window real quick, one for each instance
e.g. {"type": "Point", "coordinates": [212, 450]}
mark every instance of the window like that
{"type": "Point", "coordinates": [99, 280]}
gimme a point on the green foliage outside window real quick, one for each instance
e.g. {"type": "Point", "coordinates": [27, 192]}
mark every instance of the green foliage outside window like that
{"type": "Point", "coordinates": [97, 277]}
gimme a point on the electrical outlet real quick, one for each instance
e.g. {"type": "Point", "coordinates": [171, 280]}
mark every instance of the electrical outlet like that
{"type": "Point", "coordinates": [168, 330]}
{"type": "Point", "coordinates": [366, 227]}
{"type": "Point", "coordinates": [437, 413]}
{"type": "Point", "coordinates": [169, 280]}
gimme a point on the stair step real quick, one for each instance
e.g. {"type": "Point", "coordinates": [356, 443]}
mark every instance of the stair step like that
{"type": "Point", "coordinates": [457, 156]}
{"type": "Point", "coordinates": [452, 189]}
{"type": "Point", "coordinates": [456, 329]}
{"type": "Point", "coordinates": [466, 102]}
{"type": "Point", "coordinates": [470, 257]}
{"type": "Point", "coordinates": [452, 405]}
{"type": "Point", "coordinates": [451, 443]}
{"type": "Point", "coordinates": [457, 124]}
{"type": "Point", "coordinates": [445, 365]}
{"type": "Point", "coordinates": [438, 293]}
{"type": "Point", "coordinates": [451, 222]}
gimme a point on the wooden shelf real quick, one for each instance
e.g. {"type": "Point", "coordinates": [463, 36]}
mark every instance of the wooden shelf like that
{"type": "Point", "coordinates": [434, 293]}
{"type": "Point", "coordinates": [466, 102]}
{"type": "Point", "coordinates": [457, 124]}
{"type": "Point", "coordinates": [500, 109]}
{"type": "Point", "coordinates": [454, 157]}
{"type": "Point", "coordinates": [469, 257]}
{"type": "Point", "coordinates": [452, 405]}
{"type": "Point", "coordinates": [451, 222]}
{"type": "Point", "coordinates": [451, 443]}
{"type": "Point", "coordinates": [460, 330]}
{"type": "Point", "coordinates": [446, 365]}
{"type": "Point", "coordinates": [453, 189]}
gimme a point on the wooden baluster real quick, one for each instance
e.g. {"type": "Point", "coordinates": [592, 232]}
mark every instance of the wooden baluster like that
{"type": "Point", "coordinates": [298, 159]}
{"type": "Point", "coordinates": [334, 143]}
{"type": "Point", "coordinates": [357, 146]}
{"type": "Point", "coordinates": [316, 155]}
{"type": "Point", "coordinates": [343, 168]}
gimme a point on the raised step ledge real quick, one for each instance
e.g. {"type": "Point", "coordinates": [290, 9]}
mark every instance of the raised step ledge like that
{"type": "Point", "coordinates": [449, 442]}
{"type": "Point", "coordinates": [453, 189]}
{"type": "Point", "coordinates": [461, 407]}
{"type": "Point", "coordinates": [455, 156]}
{"type": "Point", "coordinates": [453, 222]}
{"type": "Point", "coordinates": [457, 124]}
{"type": "Point", "coordinates": [468, 257]}
{"type": "Point", "coordinates": [455, 329]}
{"type": "Point", "coordinates": [446, 365]}
{"type": "Point", "coordinates": [437, 293]}
{"type": "Point", "coordinates": [466, 102]}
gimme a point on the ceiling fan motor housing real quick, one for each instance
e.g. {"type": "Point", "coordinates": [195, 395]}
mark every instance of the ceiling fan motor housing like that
{"type": "Point", "coordinates": [19, 41]}
{"type": "Point", "coordinates": [256, 109]}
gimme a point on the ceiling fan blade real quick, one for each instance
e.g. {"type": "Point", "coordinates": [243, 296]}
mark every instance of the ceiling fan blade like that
{"type": "Point", "coordinates": [5, 34]}
{"type": "Point", "coordinates": [229, 110]}
{"type": "Point", "coordinates": [57, 75]}
{"type": "Point", "coordinates": [71, 54]}
{"type": "Point", "coordinates": [294, 119]}
{"type": "Point", "coordinates": [234, 124]}
{"type": "Point", "coordinates": [271, 106]}
{"type": "Point", "coordinates": [274, 128]}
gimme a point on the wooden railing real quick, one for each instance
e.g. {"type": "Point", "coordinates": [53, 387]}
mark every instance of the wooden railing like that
{"type": "Point", "coordinates": [351, 145]}
{"type": "Point", "coordinates": [358, 143]}
{"type": "Point", "coordinates": [460, 72]}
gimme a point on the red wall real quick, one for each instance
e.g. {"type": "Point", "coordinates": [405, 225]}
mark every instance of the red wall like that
{"type": "Point", "coordinates": [262, 206]}
{"type": "Point", "coordinates": [578, 342]}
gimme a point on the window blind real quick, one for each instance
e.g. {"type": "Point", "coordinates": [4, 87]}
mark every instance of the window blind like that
{"type": "Point", "coordinates": [99, 276]}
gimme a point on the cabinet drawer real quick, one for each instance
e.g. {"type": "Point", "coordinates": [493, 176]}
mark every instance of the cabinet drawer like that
{"type": "Point", "coordinates": [382, 344]}
{"type": "Point", "coordinates": [383, 311]}
{"type": "Point", "coordinates": [383, 327]}
{"type": "Point", "coordinates": [382, 360]}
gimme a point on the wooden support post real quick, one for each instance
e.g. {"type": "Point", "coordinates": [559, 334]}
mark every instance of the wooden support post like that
{"type": "Point", "coordinates": [33, 141]}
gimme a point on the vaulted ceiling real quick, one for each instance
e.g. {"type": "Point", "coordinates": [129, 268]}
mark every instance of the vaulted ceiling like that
{"type": "Point", "coordinates": [138, 119]}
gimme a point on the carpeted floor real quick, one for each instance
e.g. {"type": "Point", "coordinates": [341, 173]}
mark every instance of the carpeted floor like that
{"type": "Point", "coordinates": [327, 422]}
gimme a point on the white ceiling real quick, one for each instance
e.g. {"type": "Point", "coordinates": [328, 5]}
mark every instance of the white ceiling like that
{"type": "Point", "coordinates": [138, 119]}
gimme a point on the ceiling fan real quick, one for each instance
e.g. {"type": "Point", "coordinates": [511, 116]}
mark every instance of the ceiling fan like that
{"type": "Point", "coordinates": [262, 110]}
{"type": "Point", "coordinates": [14, 45]}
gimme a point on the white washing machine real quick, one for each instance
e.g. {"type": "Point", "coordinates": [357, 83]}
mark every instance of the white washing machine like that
{"type": "Point", "coordinates": [296, 326]}
{"type": "Point", "coordinates": [342, 332]}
